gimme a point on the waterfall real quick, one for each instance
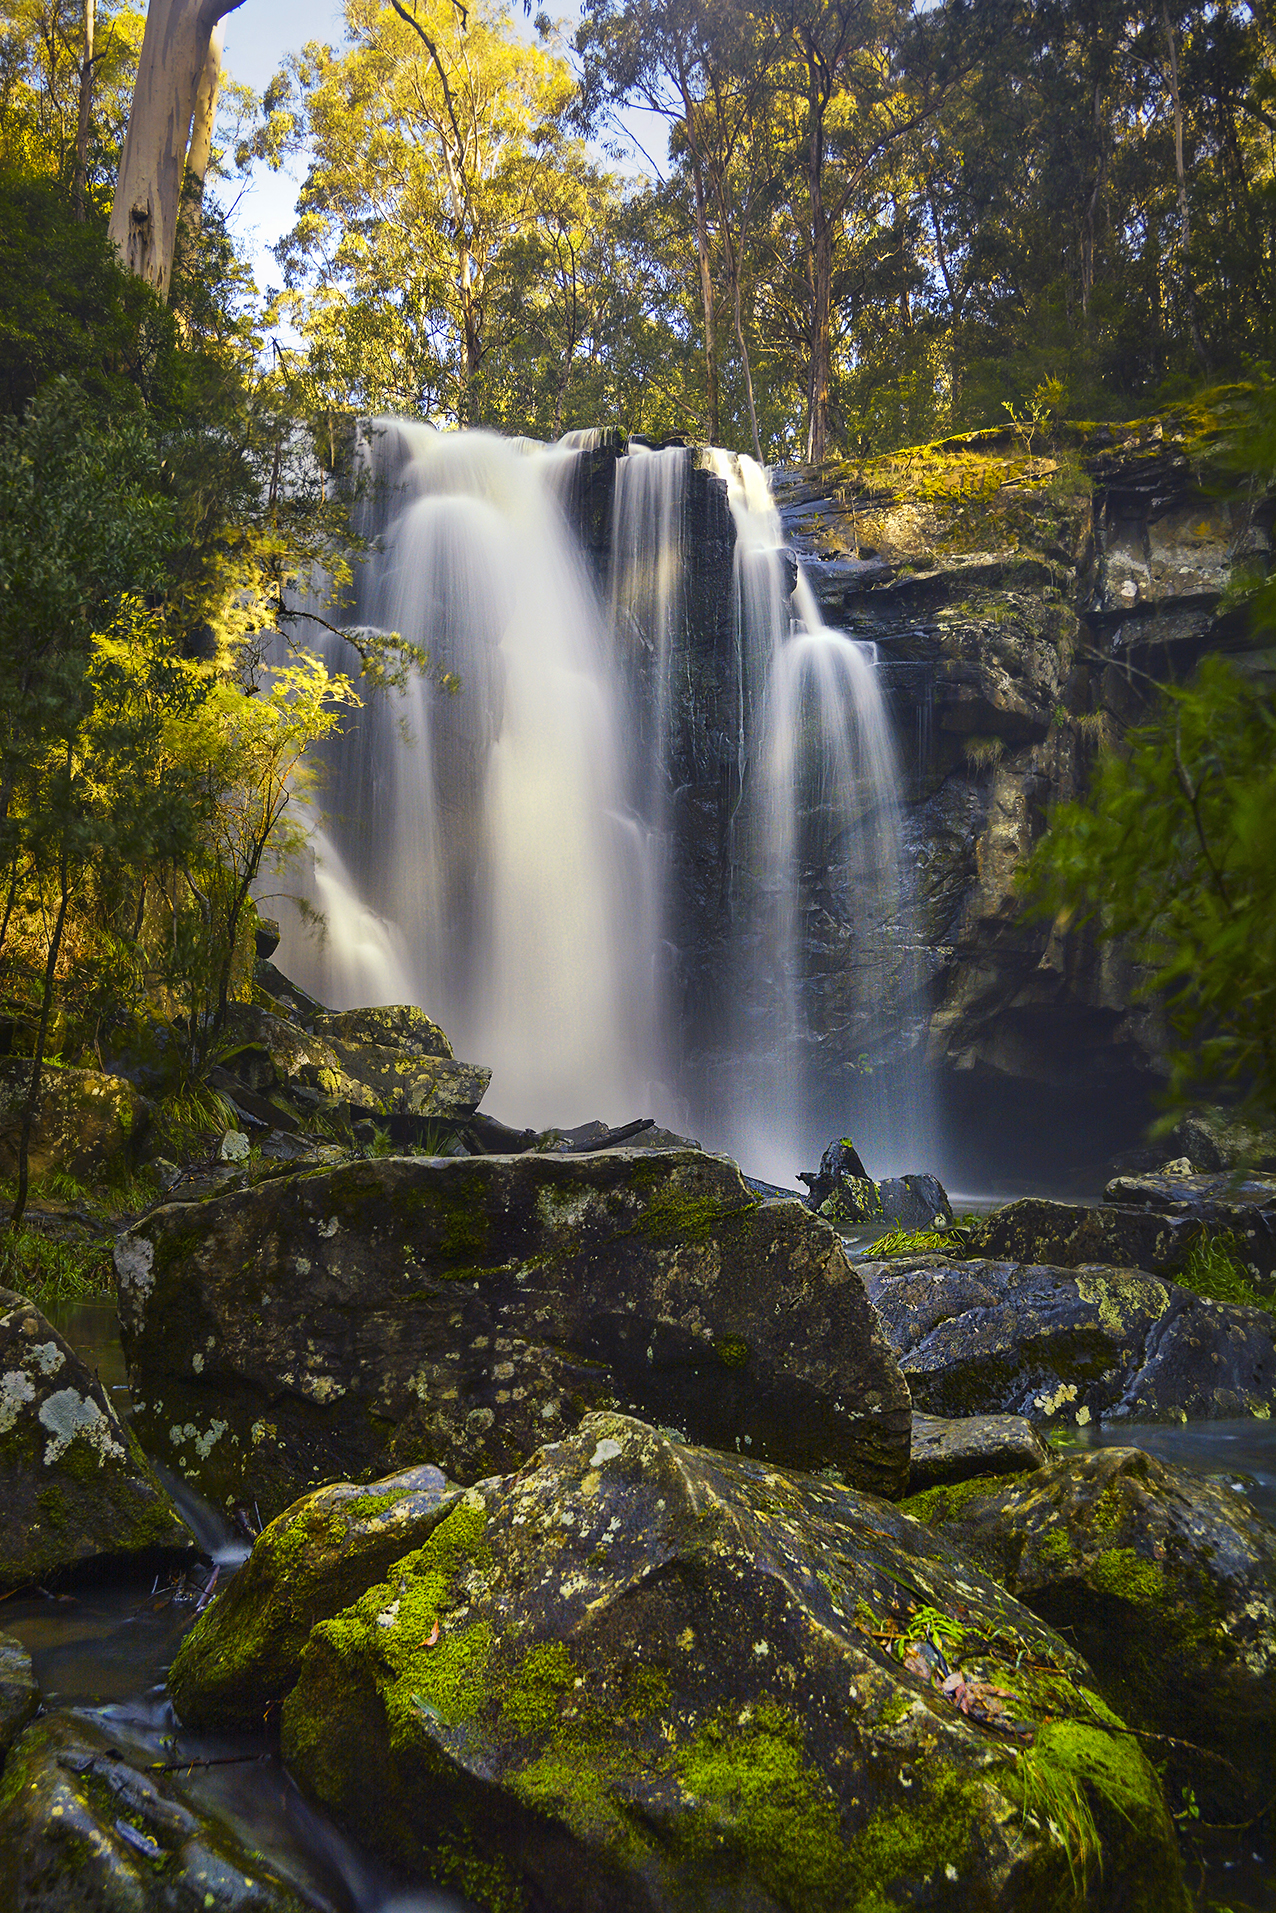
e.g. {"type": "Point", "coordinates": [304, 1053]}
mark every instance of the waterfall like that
{"type": "Point", "coordinates": [487, 823]}
{"type": "Point", "coordinates": [818, 869]}
{"type": "Point", "coordinates": [518, 854]}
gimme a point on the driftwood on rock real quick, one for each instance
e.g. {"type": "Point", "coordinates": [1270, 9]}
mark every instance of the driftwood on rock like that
{"type": "Point", "coordinates": [175, 56]}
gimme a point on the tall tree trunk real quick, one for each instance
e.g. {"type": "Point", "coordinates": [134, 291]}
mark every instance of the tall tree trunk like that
{"type": "Point", "coordinates": [201, 146]}
{"type": "Point", "coordinates": [32, 1103]}
{"type": "Point", "coordinates": [744, 355]}
{"type": "Point", "coordinates": [1180, 173]}
{"type": "Point", "coordinates": [702, 251]}
{"type": "Point", "coordinates": [84, 120]}
{"type": "Point", "coordinates": [712, 424]}
{"type": "Point", "coordinates": [148, 190]}
{"type": "Point", "coordinates": [821, 327]}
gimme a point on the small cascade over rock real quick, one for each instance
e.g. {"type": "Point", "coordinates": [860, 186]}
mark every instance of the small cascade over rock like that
{"type": "Point", "coordinates": [817, 862]}
{"type": "Point", "coordinates": [658, 781]}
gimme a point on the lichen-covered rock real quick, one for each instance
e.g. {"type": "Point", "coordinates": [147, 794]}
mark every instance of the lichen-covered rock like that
{"type": "Point", "coordinates": [1166, 1582]}
{"type": "Point", "coordinates": [639, 1675]}
{"type": "Point", "coordinates": [88, 1124]}
{"type": "Point", "coordinates": [1067, 1235]}
{"type": "Point", "coordinates": [1242, 1207]}
{"type": "Point", "coordinates": [19, 1692]}
{"type": "Point", "coordinates": [74, 1485]}
{"type": "Point", "coordinates": [84, 1830]}
{"type": "Point", "coordinates": [844, 1193]}
{"type": "Point", "coordinates": [397, 1082]}
{"type": "Point", "coordinates": [341, 1322]}
{"type": "Point", "coordinates": [945, 1451]}
{"type": "Point", "coordinates": [393, 1025]}
{"type": "Point", "coordinates": [1077, 1345]}
{"type": "Point", "coordinates": [243, 1653]}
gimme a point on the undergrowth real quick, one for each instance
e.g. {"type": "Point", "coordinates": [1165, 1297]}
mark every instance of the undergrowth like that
{"type": "Point", "coordinates": [48, 1271]}
{"type": "Point", "coordinates": [1214, 1271]}
{"type": "Point", "coordinates": [953, 1239]}
{"type": "Point", "coordinates": [187, 1119]}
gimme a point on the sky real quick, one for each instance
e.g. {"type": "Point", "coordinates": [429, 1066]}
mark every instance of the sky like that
{"type": "Point", "coordinates": [258, 35]}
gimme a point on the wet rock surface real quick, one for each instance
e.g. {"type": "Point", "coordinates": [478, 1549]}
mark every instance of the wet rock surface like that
{"type": "Point", "coordinates": [1241, 1207]}
{"type": "Point", "coordinates": [342, 1322]}
{"type": "Point", "coordinates": [243, 1654]}
{"type": "Point", "coordinates": [844, 1193]}
{"type": "Point", "coordinates": [1076, 1345]}
{"type": "Point", "coordinates": [642, 1675]}
{"type": "Point", "coordinates": [19, 1692]}
{"type": "Point", "coordinates": [85, 1830]}
{"type": "Point", "coordinates": [945, 1451]}
{"type": "Point", "coordinates": [1165, 1582]}
{"type": "Point", "coordinates": [75, 1487]}
{"type": "Point", "coordinates": [1069, 1234]}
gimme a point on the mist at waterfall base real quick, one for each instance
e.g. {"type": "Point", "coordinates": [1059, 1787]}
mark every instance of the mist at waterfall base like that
{"type": "Point", "coordinates": [624, 902]}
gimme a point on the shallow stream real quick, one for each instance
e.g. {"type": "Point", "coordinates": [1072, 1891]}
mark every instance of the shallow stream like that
{"type": "Point", "coordinates": [107, 1651]}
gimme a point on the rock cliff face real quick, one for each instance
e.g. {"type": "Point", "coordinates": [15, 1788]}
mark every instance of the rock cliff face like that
{"type": "Point", "coordinates": [1018, 601]}
{"type": "Point", "coordinates": [1014, 601]}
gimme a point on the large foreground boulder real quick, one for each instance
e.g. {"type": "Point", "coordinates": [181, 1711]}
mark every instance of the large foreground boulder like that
{"type": "Point", "coordinates": [86, 1829]}
{"type": "Point", "coordinates": [1165, 1582]}
{"type": "Point", "coordinates": [639, 1675]}
{"type": "Point", "coordinates": [74, 1485]}
{"type": "Point", "coordinates": [1078, 1345]}
{"type": "Point", "coordinates": [347, 1321]}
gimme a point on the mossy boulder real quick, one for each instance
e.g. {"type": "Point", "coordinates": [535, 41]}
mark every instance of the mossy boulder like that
{"type": "Point", "coordinates": [243, 1653]}
{"type": "Point", "coordinates": [1166, 1582]}
{"type": "Point", "coordinates": [392, 1025]}
{"type": "Point", "coordinates": [643, 1675]}
{"type": "Point", "coordinates": [19, 1693]}
{"type": "Point", "coordinates": [88, 1124]}
{"type": "Point", "coordinates": [1076, 1346]}
{"type": "Point", "coordinates": [343, 1322]}
{"type": "Point", "coordinates": [88, 1826]}
{"type": "Point", "coordinates": [399, 1082]}
{"type": "Point", "coordinates": [1067, 1235]}
{"type": "Point", "coordinates": [74, 1485]}
{"type": "Point", "coordinates": [945, 1451]}
{"type": "Point", "coordinates": [1239, 1206]}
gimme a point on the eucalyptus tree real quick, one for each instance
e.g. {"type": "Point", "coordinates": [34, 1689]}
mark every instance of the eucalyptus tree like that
{"type": "Point", "coordinates": [148, 191]}
{"type": "Point", "coordinates": [661, 55]}
{"type": "Point", "coordinates": [440, 162]}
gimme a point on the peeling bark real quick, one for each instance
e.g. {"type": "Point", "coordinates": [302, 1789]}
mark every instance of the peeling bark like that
{"type": "Point", "coordinates": [201, 146]}
{"type": "Point", "coordinates": [175, 52]}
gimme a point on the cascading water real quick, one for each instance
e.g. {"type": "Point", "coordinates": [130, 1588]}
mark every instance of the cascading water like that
{"type": "Point", "coordinates": [818, 868]}
{"type": "Point", "coordinates": [491, 841]}
{"type": "Point", "coordinates": [518, 865]}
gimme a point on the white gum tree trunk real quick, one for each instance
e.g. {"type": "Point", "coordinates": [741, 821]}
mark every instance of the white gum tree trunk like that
{"type": "Point", "coordinates": [148, 192]}
{"type": "Point", "coordinates": [201, 147]}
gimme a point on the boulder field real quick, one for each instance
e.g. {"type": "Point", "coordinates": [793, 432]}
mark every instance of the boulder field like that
{"type": "Point", "coordinates": [638, 1674]}
{"type": "Point", "coordinates": [461, 1312]}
